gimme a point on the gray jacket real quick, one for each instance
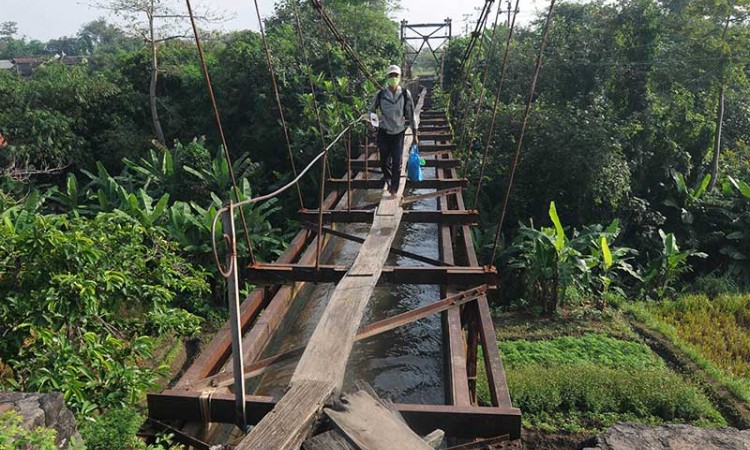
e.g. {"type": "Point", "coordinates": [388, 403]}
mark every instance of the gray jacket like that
{"type": "Point", "coordinates": [392, 108]}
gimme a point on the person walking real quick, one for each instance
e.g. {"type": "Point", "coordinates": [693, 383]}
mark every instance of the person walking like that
{"type": "Point", "coordinates": [396, 106]}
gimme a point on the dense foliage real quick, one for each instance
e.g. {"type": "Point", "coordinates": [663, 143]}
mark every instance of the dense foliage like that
{"type": "Point", "coordinates": [105, 226]}
{"type": "Point", "coordinates": [624, 125]}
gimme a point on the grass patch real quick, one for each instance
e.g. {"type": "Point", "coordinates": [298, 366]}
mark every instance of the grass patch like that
{"type": "Point", "coordinates": [715, 334]}
{"type": "Point", "coordinates": [571, 322]}
{"type": "Point", "coordinates": [598, 349]}
{"type": "Point", "coordinates": [585, 384]}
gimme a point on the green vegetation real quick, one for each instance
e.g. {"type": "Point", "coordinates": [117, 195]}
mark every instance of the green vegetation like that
{"type": "Point", "coordinates": [587, 383]}
{"type": "Point", "coordinates": [713, 333]}
{"type": "Point", "coordinates": [105, 220]}
{"type": "Point", "coordinates": [13, 436]}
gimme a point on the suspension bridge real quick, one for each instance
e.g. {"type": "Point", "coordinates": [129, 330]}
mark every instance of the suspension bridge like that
{"type": "Point", "coordinates": [212, 403]}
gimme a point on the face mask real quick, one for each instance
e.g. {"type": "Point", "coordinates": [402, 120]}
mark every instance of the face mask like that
{"type": "Point", "coordinates": [392, 81]}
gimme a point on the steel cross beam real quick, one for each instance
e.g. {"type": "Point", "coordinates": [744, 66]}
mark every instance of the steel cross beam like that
{"type": "Point", "coordinates": [455, 217]}
{"type": "Point", "coordinates": [424, 32]}
{"type": "Point", "coordinates": [460, 421]}
{"type": "Point", "coordinates": [263, 273]}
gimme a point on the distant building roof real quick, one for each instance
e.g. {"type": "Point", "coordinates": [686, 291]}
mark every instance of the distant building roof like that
{"type": "Point", "coordinates": [6, 64]}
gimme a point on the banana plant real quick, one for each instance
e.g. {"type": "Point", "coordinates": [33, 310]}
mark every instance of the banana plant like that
{"type": "Point", "coordinates": [73, 199]}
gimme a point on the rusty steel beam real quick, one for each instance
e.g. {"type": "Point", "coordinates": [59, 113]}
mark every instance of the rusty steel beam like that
{"type": "Point", "coordinates": [394, 251]}
{"type": "Point", "coordinates": [454, 217]}
{"type": "Point", "coordinates": [359, 164]}
{"type": "Point", "coordinates": [288, 273]}
{"type": "Point", "coordinates": [416, 198]}
{"type": "Point", "coordinates": [498, 385]}
{"type": "Point", "coordinates": [378, 184]}
{"type": "Point", "coordinates": [463, 422]}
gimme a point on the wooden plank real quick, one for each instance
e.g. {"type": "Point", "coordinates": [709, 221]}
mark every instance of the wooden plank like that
{"type": "Point", "coordinates": [330, 440]}
{"type": "Point", "coordinates": [288, 424]}
{"type": "Point", "coordinates": [483, 444]}
{"type": "Point", "coordinates": [369, 425]}
{"type": "Point", "coordinates": [463, 421]}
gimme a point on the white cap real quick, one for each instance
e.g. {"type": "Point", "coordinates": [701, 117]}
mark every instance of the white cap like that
{"type": "Point", "coordinates": [394, 69]}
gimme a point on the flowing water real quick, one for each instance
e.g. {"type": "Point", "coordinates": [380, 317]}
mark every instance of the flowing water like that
{"type": "Point", "coordinates": [404, 364]}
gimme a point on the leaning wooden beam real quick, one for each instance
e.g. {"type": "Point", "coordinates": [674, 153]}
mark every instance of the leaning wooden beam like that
{"type": "Point", "coordinates": [323, 363]}
{"type": "Point", "coordinates": [461, 422]}
{"type": "Point", "coordinates": [453, 217]}
{"type": "Point", "coordinates": [369, 425]}
{"type": "Point", "coordinates": [374, 329]}
{"type": "Point", "coordinates": [288, 273]}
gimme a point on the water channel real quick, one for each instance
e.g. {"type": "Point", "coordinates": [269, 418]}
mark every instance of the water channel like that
{"type": "Point", "coordinates": [405, 364]}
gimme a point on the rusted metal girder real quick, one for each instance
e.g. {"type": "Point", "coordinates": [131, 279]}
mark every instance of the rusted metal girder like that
{"type": "Point", "coordinates": [288, 273]}
{"type": "Point", "coordinates": [454, 217]}
{"type": "Point", "coordinates": [424, 148]}
{"type": "Point", "coordinates": [457, 421]}
{"type": "Point", "coordinates": [375, 163]}
{"type": "Point", "coordinates": [435, 136]}
{"type": "Point", "coordinates": [393, 251]}
{"type": "Point", "coordinates": [441, 183]}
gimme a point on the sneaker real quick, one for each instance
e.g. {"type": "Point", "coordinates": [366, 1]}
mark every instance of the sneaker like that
{"type": "Point", "coordinates": [393, 191]}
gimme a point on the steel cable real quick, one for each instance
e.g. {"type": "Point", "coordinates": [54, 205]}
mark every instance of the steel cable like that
{"type": "Point", "coordinates": [523, 129]}
{"type": "Point", "coordinates": [221, 129]}
{"type": "Point", "coordinates": [278, 100]}
{"type": "Point", "coordinates": [344, 44]}
{"type": "Point", "coordinates": [491, 131]}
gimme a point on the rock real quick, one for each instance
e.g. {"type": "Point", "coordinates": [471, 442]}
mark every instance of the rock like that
{"type": "Point", "coordinates": [633, 436]}
{"type": "Point", "coordinates": [42, 410]}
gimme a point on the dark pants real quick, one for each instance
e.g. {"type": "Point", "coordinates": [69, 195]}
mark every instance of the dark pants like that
{"type": "Point", "coordinates": [391, 148]}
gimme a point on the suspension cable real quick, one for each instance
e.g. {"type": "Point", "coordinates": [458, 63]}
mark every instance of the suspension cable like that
{"type": "Point", "coordinates": [278, 100]}
{"type": "Point", "coordinates": [491, 131]}
{"type": "Point", "coordinates": [308, 69]}
{"type": "Point", "coordinates": [344, 44]}
{"type": "Point", "coordinates": [523, 129]}
{"type": "Point", "coordinates": [221, 128]}
{"type": "Point", "coordinates": [468, 53]}
{"type": "Point", "coordinates": [485, 76]}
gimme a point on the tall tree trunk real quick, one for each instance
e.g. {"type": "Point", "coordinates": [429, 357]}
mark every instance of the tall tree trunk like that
{"type": "Point", "coordinates": [152, 88]}
{"type": "Point", "coordinates": [717, 139]}
{"type": "Point", "coordinates": [719, 116]}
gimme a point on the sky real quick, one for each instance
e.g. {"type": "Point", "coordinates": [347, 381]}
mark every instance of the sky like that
{"type": "Point", "coordinates": [49, 19]}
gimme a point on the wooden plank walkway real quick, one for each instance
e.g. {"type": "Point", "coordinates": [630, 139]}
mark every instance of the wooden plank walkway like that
{"type": "Point", "coordinates": [320, 372]}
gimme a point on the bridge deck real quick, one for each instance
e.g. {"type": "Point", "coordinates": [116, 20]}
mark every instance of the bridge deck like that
{"type": "Point", "coordinates": [320, 372]}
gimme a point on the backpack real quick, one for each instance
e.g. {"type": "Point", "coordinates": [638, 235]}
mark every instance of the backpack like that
{"type": "Point", "coordinates": [404, 92]}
